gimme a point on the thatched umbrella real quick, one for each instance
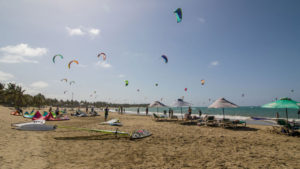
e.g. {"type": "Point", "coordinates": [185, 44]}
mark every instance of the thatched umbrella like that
{"type": "Point", "coordinates": [223, 103]}
{"type": "Point", "coordinates": [157, 104]}
{"type": "Point", "coordinates": [180, 103]}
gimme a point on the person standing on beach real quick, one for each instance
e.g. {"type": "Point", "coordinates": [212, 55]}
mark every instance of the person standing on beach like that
{"type": "Point", "coordinates": [147, 111]}
{"type": "Point", "coordinates": [277, 115]}
{"type": "Point", "coordinates": [200, 113]}
{"type": "Point", "coordinates": [138, 110]}
{"type": "Point", "coordinates": [190, 111]}
{"type": "Point", "coordinates": [87, 109]}
{"type": "Point", "coordinates": [106, 113]}
{"type": "Point", "coordinates": [57, 111]}
{"type": "Point", "coordinates": [50, 109]}
{"type": "Point", "coordinates": [169, 112]}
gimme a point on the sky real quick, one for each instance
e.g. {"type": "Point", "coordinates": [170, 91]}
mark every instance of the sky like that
{"type": "Point", "coordinates": [237, 46]}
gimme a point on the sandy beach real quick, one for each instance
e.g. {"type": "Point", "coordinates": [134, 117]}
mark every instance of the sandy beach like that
{"type": "Point", "coordinates": [171, 146]}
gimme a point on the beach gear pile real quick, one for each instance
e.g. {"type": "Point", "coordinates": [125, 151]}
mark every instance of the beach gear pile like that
{"type": "Point", "coordinates": [112, 122]}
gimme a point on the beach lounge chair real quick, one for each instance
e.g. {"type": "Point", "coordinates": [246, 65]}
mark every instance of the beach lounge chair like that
{"type": "Point", "coordinates": [226, 123]}
{"type": "Point", "coordinates": [209, 121]}
{"type": "Point", "coordinates": [232, 124]}
{"type": "Point", "coordinates": [158, 118]}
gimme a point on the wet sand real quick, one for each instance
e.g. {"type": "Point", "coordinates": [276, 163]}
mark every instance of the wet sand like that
{"type": "Point", "coordinates": [171, 146]}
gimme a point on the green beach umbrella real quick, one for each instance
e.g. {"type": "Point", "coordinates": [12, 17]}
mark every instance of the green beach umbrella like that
{"type": "Point", "coordinates": [284, 103]}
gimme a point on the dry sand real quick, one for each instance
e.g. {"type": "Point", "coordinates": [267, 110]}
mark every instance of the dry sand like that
{"type": "Point", "coordinates": [171, 146]}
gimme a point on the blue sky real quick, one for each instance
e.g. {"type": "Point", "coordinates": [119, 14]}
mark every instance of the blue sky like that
{"type": "Point", "coordinates": [237, 46]}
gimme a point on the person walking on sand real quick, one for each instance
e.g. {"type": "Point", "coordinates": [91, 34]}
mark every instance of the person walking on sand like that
{"type": "Point", "coordinates": [106, 113]}
{"type": "Point", "coordinates": [87, 109]}
{"type": "Point", "coordinates": [50, 109]}
{"type": "Point", "coordinates": [138, 110]}
{"type": "Point", "coordinates": [147, 111]}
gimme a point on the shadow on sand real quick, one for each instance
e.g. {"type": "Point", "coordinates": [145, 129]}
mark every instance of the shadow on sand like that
{"type": "Point", "coordinates": [242, 129]}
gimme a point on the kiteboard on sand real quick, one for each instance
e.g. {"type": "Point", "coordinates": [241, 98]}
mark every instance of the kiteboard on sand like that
{"type": "Point", "coordinates": [137, 134]}
{"type": "Point", "coordinates": [27, 123]}
{"type": "Point", "coordinates": [36, 127]}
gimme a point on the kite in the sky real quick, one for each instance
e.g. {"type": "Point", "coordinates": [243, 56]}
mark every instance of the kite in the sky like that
{"type": "Point", "coordinates": [202, 82]}
{"type": "Point", "coordinates": [103, 56]}
{"type": "Point", "coordinates": [75, 61]}
{"type": "Point", "coordinates": [165, 58]}
{"type": "Point", "coordinates": [185, 89]}
{"type": "Point", "coordinates": [72, 82]}
{"type": "Point", "coordinates": [243, 95]}
{"type": "Point", "coordinates": [138, 90]}
{"type": "Point", "coordinates": [178, 14]}
{"type": "Point", "coordinates": [292, 90]}
{"type": "Point", "coordinates": [53, 59]}
{"type": "Point", "coordinates": [65, 91]}
{"type": "Point", "coordinates": [126, 82]}
{"type": "Point", "coordinates": [64, 79]}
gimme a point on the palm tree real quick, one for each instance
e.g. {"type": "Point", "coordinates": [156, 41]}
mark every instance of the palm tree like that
{"type": "Point", "coordinates": [2, 86]}
{"type": "Point", "coordinates": [39, 100]}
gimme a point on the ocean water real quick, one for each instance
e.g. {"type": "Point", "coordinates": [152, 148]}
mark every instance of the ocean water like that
{"type": "Point", "coordinates": [241, 113]}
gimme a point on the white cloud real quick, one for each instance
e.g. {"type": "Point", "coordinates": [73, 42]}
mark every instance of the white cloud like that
{"type": "Point", "coordinates": [39, 84]}
{"type": "Point", "coordinates": [201, 20]}
{"type": "Point", "coordinates": [21, 53]}
{"type": "Point", "coordinates": [5, 76]}
{"type": "Point", "coordinates": [214, 63]}
{"type": "Point", "coordinates": [75, 31]}
{"type": "Point", "coordinates": [103, 64]}
{"type": "Point", "coordinates": [94, 32]}
{"type": "Point", "coordinates": [82, 31]}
